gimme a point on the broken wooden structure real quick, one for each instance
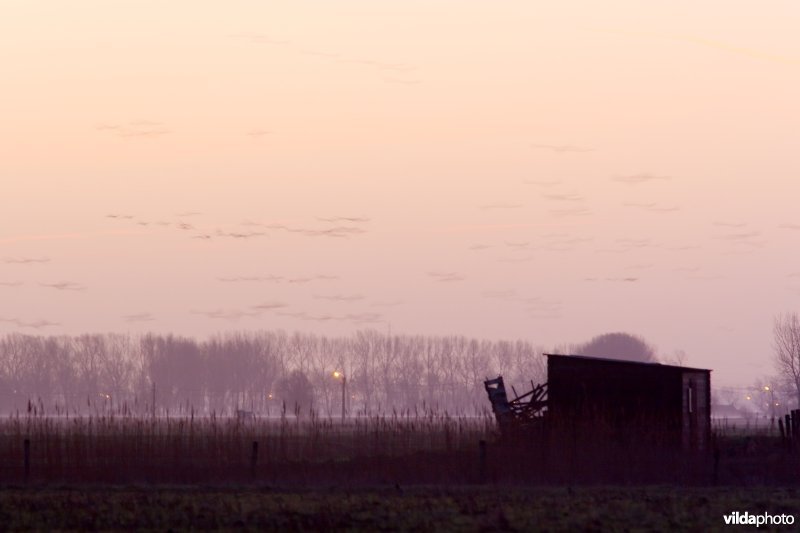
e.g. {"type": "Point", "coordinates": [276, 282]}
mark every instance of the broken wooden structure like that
{"type": "Point", "coordinates": [612, 399]}
{"type": "Point", "coordinates": [520, 413]}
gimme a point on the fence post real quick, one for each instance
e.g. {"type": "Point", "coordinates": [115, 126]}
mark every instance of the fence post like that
{"type": "Point", "coordinates": [482, 462]}
{"type": "Point", "coordinates": [27, 453]}
{"type": "Point", "coordinates": [254, 459]}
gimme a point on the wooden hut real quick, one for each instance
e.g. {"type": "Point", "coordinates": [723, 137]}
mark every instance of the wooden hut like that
{"type": "Point", "coordinates": [650, 402]}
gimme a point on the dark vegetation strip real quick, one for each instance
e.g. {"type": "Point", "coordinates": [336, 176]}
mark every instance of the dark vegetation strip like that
{"type": "Point", "coordinates": [382, 509]}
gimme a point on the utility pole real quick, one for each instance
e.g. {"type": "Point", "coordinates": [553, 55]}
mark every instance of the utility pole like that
{"type": "Point", "coordinates": [153, 405]}
{"type": "Point", "coordinates": [341, 375]}
{"type": "Point", "coordinates": [344, 395]}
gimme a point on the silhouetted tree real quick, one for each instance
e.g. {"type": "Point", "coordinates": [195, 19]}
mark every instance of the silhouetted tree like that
{"type": "Point", "coordinates": [786, 341]}
{"type": "Point", "coordinates": [239, 370]}
{"type": "Point", "coordinates": [619, 346]}
{"type": "Point", "coordinates": [296, 392]}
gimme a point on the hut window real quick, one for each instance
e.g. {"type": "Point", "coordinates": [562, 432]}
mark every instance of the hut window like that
{"type": "Point", "coordinates": [689, 398]}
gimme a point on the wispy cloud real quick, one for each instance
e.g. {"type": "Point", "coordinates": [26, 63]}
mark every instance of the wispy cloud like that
{"type": "Point", "coordinates": [363, 318]}
{"type": "Point", "coordinates": [268, 306]}
{"type": "Point", "coordinates": [389, 71]}
{"type": "Point", "coordinates": [277, 279]}
{"type": "Point", "coordinates": [64, 286]}
{"type": "Point", "coordinates": [741, 236]}
{"type": "Point", "coordinates": [336, 231]}
{"type": "Point", "coordinates": [628, 279]}
{"type": "Point", "coordinates": [10, 283]}
{"type": "Point", "coordinates": [238, 234]}
{"type": "Point", "coordinates": [534, 306]}
{"type": "Point", "coordinates": [25, 260]}
{"type": "Point", "coordinates": [339, 297]}
{"type": "Point", "coordinates": [563, 242]}
{"type": "Point", "coordinates": [302, 315]}
{"type": "Point", "coordinates": [352, 219]}
{"type": "Point", "coordinates": [469, 228]}
{"type": "Point", "coordinates": [231, 314]}
{"type": "Point", "coordinates": [358, 318]}
{"type": "Point", "coordinates": [564, 197]}
{"type": "Point", "coordinates": [570, 212]}
{"type": "Point", "coordinates": [308, 279]}
{"type": "Point", "coordinates": [726, 224]}
{"type": "Point", "coordinates": [139, 317]}
{"type": "Point", "coordinates": [682, 247]}
{"type": "Point", "coordinates": [237, 279]}
{"type": "Point", "coordinates": [624, 245]}
{"type": "Point", "coordinates": [445, 276]}
{"type": "Point", "coordinates": [34, 324]}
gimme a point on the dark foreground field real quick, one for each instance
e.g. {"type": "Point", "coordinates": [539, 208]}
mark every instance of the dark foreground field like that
{"type": "Point", "coordinates": [396, 508]}
{"type": "Point", "coordinates": [432, 472]}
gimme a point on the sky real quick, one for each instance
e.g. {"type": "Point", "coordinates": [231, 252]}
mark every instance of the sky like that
{"type": "Point", "coordinates": [547, 171]}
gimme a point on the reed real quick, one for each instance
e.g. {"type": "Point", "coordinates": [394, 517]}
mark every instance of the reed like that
{"type": "Point", "coordinates": [113, 448]}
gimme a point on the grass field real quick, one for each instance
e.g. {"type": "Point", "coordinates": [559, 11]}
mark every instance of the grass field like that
{"type": "Point", "coordinates": [381, 509]}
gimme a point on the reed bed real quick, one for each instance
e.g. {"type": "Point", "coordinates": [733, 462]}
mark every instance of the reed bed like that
{"type": "Point", "coordinates": [125, 449]}
{"type": "Point", "coordinates": [410, 447]}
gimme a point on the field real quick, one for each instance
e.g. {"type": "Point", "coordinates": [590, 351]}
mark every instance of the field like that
{"type": "Point", "coordinates": [425, 471]}
{"type": "Point", "coordinates": [377, 509]}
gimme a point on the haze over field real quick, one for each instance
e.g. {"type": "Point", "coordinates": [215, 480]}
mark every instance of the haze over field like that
{"type": "Point", "coordinates": [542, 171]}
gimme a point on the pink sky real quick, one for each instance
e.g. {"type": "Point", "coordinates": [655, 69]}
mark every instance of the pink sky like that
{"type": "Point", "coordinates": [540, 171]}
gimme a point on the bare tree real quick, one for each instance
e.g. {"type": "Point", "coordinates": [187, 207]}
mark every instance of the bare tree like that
{"type": "Point", "coordinates": [786, 340]}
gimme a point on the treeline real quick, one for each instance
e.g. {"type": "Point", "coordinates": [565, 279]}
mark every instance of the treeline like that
{"type": "Point", "coordinates": [267, 372]}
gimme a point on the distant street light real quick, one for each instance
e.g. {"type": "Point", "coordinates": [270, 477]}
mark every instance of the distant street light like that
{"type": "Point", "coordinates": [340, 375]}
{"type": "Point", "coordinates": [772, 403]}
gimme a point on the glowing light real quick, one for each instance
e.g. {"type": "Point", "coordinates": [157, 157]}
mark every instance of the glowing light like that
{"type": "Point", "coordinates": [337, 374]}
{"type": "Point", "coordinates": [748, 397]}
{"type": "Point", "coordinates": [766, 387]}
